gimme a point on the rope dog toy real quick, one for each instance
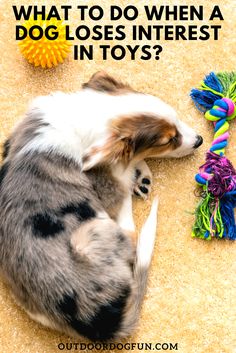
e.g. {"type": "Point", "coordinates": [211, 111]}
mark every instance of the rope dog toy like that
{"type": "Point", "coordinates": [217, 176]}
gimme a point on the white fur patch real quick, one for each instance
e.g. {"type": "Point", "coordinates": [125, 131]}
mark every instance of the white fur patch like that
{"type": "Point", "coordinates": [41, 319]}
{"type": "Point", "coordinates": [124, 175]}
{"type": "Point", "coordinates": [189, 137]}
{"type": "Point", "coordinates": [147, 237]}
{"type": "Point", "coordinates": [78, 121]}
{"type": "Point", "coordinates": [125, 217]}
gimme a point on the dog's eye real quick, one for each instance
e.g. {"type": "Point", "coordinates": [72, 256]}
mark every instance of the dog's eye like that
{"type": "Point", "coordinates": [174, 139]}
{"type": "Point", "coordinates": [166, 142]}
{"type": "Point", "coordinates": [171, 140]}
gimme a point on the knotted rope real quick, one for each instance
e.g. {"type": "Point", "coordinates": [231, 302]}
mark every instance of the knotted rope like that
{"type": "Point", "coordinates": [217, 177]}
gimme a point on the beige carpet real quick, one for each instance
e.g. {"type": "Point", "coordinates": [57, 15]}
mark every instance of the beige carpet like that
{"type": "Point", "coordinates": [192, 286]}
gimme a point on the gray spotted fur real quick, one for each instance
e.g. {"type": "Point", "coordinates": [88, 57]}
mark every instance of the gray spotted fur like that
{"type": "Point", "coordinates": [43, 271]}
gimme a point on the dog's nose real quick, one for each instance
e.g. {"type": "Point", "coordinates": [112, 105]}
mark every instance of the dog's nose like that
{"type": "Point", "coordinates": [199, 141]}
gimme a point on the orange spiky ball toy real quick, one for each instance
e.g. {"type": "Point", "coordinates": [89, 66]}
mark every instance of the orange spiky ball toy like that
{"type": "Point", "coordinates": [45, 52]}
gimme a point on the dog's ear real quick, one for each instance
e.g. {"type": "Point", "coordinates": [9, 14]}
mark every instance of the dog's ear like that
{"type": "Point", "coordinates": [103, 82]}
{"type": "Point", "coordinates": [109, 150]}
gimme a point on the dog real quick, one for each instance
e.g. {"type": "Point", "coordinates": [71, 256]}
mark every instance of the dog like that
{"type": "Point", "coordinates": [68, 247]}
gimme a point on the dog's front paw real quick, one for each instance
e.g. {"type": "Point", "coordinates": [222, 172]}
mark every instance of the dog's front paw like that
{"type": "Point", "coordinates": [142, 180]}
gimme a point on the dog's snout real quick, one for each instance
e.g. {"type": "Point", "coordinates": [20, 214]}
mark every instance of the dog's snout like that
{"type": "Point", "coordinates": [199, 141]}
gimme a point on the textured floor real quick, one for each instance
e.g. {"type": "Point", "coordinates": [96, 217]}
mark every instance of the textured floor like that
{"type": "Point", "coordinates": [191, 292]}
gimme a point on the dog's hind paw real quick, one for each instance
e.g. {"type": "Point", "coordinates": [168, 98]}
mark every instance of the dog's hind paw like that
{"type": "Point", "coordinates": [142, 180]}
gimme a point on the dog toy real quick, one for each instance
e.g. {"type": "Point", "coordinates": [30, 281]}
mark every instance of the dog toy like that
{"type": "Point", "coordinates": [217, 176]}
{"type": "Point", "coordinates": [43, 51]}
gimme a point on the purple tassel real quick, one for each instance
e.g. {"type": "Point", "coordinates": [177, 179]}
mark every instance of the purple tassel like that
{"type": "Point", "coordinates": [223, 174]}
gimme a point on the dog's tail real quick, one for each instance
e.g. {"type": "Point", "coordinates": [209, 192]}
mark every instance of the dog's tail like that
{"type": "Point", "coordinates": [144, 252]}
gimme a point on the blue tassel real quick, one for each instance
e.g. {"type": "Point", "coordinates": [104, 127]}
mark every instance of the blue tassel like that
{"type": "Point", "coordinates": [213, 82]}
{"type": "Point", "coordinates": [227, 205]}
{"type": "Point", "coordinates": [203, 99]}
